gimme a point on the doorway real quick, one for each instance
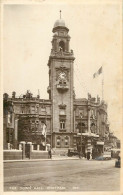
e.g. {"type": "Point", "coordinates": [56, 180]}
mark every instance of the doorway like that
{"type": "Point", "coordinates": [27, 150]}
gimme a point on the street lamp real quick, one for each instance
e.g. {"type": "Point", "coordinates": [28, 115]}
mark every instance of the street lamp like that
{"type": "Point", "coordinates": [81, 134]}
{"type": "Point", "coordinates": [45, 128]}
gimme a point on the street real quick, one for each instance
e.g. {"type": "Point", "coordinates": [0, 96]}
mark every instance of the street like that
{"type": "Point", "coordinates": [61, 175]}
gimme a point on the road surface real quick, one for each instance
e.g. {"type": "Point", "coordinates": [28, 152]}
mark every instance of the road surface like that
{"type": "Point", "coordinates": [61, 175]}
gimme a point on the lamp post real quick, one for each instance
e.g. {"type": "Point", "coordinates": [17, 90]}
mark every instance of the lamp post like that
{"type": "Point", "coordinates": [81, 134]}
{"type": "Point", "coordinates": [45, 129]}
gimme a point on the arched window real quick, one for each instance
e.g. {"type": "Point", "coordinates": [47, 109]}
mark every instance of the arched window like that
{"type": "Point", "coordinates": [62, 124]}
{"type": "Point", "coordinates": [58, 140]}
{"type": "Point", "coordinates": [93, 127]}
{"type": "Point", "coordinates": [66, 139]}
{"type": "Point", "coordinates": [81, 127]}
{"type": "Point", "coordinates": [62, 45]}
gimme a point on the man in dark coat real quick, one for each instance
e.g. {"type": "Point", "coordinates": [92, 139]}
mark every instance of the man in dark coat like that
{"type": "Point", "coordinates": [50, 153]}
{"type": "Point", "coordinates": [88, 155]}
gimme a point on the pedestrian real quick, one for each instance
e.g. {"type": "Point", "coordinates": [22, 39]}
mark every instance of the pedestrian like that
{"type": "Point", "coordinates": [79, 151]}
{"type": "Point", "coordinates": [88, 155]}
{"type": "Point", "coordinates": [85, 154]}
{"type": "Point", "coordinates": [93, 153]}
{"type": "Point", "coordinates": [50, 153]}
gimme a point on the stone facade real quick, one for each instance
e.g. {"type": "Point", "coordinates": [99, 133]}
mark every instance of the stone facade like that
{"type": "Point", "coordinates": [68, 121]}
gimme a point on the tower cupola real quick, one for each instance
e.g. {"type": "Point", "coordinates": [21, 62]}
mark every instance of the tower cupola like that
{"type": "Point", "coordinates": [61, 38]}
{"type": "Point", "coordinates": [60, 23]}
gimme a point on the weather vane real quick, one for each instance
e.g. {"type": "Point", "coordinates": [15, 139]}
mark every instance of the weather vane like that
{"type": "Point", "coordinates": [60, 14]}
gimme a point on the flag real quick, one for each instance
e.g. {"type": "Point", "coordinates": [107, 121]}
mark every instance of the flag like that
{"type": "Point", "coordinates": [9, 118]}
{"type": "Point", "coordinates": [94, 75]}
{"type": "Point", "coordinates": [100, 70]}
{"type": "Point", "coordinates": [97, 73]}
{"type": "Point", "coordinates": [44, 130]}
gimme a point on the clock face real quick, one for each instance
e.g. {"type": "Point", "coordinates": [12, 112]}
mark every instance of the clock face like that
{"type": "Point", "coordinates": [62, 75]}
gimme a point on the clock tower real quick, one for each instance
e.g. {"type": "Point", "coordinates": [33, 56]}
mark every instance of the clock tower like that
{"type": "Point", "coordinates": [60, 87]}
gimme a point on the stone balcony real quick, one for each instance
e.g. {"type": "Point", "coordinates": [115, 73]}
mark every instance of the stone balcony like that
{"type": "Point", "coordinates": [62, 87]}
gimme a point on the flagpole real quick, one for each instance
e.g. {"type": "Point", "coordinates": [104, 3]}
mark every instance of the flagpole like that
{"type": "Point", "coordinates": [45, 130]}
{"type": "Point", "coordinates": [102, 82]}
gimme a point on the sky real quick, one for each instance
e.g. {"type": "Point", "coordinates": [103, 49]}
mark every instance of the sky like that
{"type": "Point", "coordinates": [95, 40]}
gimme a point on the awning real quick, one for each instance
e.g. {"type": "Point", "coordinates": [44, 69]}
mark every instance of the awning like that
{"type": "Point", "coordinates": [88, 134]}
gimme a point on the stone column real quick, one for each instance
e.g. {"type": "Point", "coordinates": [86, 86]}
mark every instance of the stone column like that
{"type": "Point", "coordinates": [97, 122]}
{"type": "Point", "coordinates": [23, 149]}
{"type": "Point", "coordinates": [15, 133]}
{"type": "Point", "coordinates": [30, 144]}
{"type": "Point", "coordinates": [46, 148]}
{"type": "Point", "coordinates": [74, 121]}
{"type": "Point", "coordinates": [89, 130]}
{"type": "Point", "coordinates": [32, 147]}
{"type": "Point", "coordinates": [55, 44]}
{"type": "Point", "coordinates": [20, 146]}
{"type": "Point", "coordinates": [8, 146]}
{"type": "Point", "coordinates": [38, 147]}
{"type": "Point", "coordinates": [67, 45]}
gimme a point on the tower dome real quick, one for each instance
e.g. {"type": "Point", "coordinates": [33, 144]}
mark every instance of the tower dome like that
{"type": "Point", "coordinates": [59, 22]}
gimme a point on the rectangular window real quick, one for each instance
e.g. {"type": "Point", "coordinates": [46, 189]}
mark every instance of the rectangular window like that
{"type": "Point", "coordinates": [62, 124]}
{"type": "Point", "coordinates": [43, 109]}
{"type": "Point", "coordinates": [33, 109]}
{"type": "Point", "coordinates": [36, 109]}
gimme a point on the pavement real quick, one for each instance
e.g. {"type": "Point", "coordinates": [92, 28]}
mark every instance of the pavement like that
{"type": "Point", "coordinates": [54, 157]}
{"type": "Point", "coordinates": [58, 175]}
{"type": "Point", "coordinates": [49, 159]}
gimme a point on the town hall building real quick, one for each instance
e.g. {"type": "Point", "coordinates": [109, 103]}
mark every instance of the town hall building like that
{"type": "Point", "coordinates": [68, 122]}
